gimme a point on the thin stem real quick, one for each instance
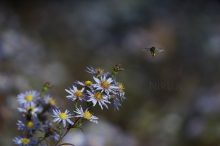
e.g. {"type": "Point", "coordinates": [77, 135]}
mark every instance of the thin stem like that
{"type": "Point", "coordinates": [70, 126]}
{"type": "Point", "coordinates": [76, 104]}
{"type": "Point", "coordinates": [41, 140]}
{"type": "Point", "coordinates": [68, 129]}
{"type": "Point", "coordinates": [62, 137]}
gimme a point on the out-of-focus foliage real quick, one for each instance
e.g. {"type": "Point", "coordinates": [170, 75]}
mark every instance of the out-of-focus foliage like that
{"type": "Point", "coordinates": [55, 41]}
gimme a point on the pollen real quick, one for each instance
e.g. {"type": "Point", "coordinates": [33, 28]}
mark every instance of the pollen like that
{"type": "Point", "coordinates": [87, 83]}
{"type": "Point", "coordinates": [52, 102]}
{"type": "Point", "coordinates": [30, 124]}
{"type": "Point", "coordinates": [29, 97]}
{"type": "Point", "coordinates": [63, 116]}
{"type": "Point", "coordinates": [105, 85]}
{"type": "Point", "coordinates": [87, 115]}
{"type": "Point", "coordinates": [25, 141]}
{"type": "Point", "coordinates": [98, 96]}
{"type": "Point", "coordinates": [78, 94]}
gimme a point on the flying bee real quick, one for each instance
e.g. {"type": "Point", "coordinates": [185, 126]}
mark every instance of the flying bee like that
{"type": "Point", "coordinates": [152, 50]}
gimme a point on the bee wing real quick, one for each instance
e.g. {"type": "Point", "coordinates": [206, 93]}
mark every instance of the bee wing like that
{"type": "Point", "coordinates": [159, 50]}
{"type": "Point", "coordinates": [145, 49]}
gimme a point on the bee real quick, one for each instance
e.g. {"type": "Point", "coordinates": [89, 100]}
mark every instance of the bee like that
{"type": "Point", "coordinates": [152, 50]}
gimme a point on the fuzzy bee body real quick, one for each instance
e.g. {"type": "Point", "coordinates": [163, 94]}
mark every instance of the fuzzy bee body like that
{"type": "Point", "coordinates": [152, 50]}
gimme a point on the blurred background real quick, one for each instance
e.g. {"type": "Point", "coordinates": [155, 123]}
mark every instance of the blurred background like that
{"type": "Point", "coordinates": [172, 98]}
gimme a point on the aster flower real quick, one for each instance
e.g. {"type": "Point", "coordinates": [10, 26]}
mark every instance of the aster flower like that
{"type": "Point", "coordinates": [97, 71]}
{"type": "Point", "coordinates": [104, 84]}
{"type": "Point", "coordinates": [50, 101]}
{"type": "Point", "coordinates": [24, 141]}
{"type": "Point", "coordinates": [116, 102]}
{"type": "Point", "coordinates": [98, 97]}
{"type": "Point", "coordinates": [31, 109]}
{"type": "Point", "coordinates": [120, 91]}
{"type": "Point", "coordinates": [62, 116]}
{"type": "Point", "coordinates": [122, 95]}
{"type": "Point", "coordinates": [107, 75]}
{"type": "Point", "coordinates": [29, 126]}
{"type": "Point", "coordinates": [120, 86]}
{"type": "Point", "coordinates": [86, 115]}
{"type": "Point", "coordinates": [85, 84]}
{"type": "Point", "coordinates": [90, 70]}
{"type": "Point", "coordinates": [76, 94]}
{"type": "Point", "coordinates": [28, 97]}
{"type": "Point", "coordinates": [50, 131]}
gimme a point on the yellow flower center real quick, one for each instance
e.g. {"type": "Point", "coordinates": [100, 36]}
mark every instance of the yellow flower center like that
{"type": "Point", "coordinates": [78, 94]}
{"type": "Point", "coordinates": [29, 97]}
{"type": "Point", "coordinates": [52, 102]}
{"type": "Point", "coordinates": [30, 124]}
{"type": "Point", "coordinates": [121, 86]}
{"type": "Point", "coordinates": [25, 141]}
{"type": "Point", "coordinates": [98, 96]}
{"type": "Point", "coordinates": [63, 116]}
{"type": "Point", "coordinates": [87, 115]}
{"type": "Point", "coordinates": [87, 83]}
{"type": "Point", "coordinates": [105, 85]}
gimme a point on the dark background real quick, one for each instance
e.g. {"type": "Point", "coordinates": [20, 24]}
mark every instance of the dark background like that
{"type": "Point", "coordinates": [172, 99]}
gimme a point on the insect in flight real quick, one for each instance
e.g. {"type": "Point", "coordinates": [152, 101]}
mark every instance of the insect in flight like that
{"type": "Point", "coordinates": [152, 50]}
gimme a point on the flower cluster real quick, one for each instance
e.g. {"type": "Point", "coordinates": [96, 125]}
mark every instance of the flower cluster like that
{"type": "Point", "coordinates": [104, 89]}
{"type": "Point", "coordinates": [35, 106]}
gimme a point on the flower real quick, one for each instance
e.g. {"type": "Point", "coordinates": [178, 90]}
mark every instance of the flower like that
{"type": "Point", "coordinates": [50, 102]}
{"type": "Point", "coordinates": [120, 91]}
{"type": "Point", "coordinates": [91, 70]}
{"type": "Point", "coordinates": [104, 84]}
{"type": "Point", "coordinates": [122, 95]}
{"type": "Point", "coordinates": [98, 97]}
{"type": "Point", "coordinates": [28, 97]}
{"type": "Point", "coordinates": [97, 71]}
{"type": "Point", "coordinates": [120, 86]}
{"type": "Point", "coordinates": [86, 83]}
{"type": "Point", "coordinates": [31, 109]}
{"type": "Point", "coordinates": [76, 94]}
{"type": "Point", "coordinates": [116, 102]}
{"type": "Point", "coordinates": [62, 116]}
{"type": "Point", "coordinates": [86, 115]}
{"type": "Point", "coordinates": [29, 126]}
{"type": "Point", "coordinates": [24, 141]}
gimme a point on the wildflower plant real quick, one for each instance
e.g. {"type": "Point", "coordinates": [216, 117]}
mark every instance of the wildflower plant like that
{"type": "Point", "coordinates": [41, 113]}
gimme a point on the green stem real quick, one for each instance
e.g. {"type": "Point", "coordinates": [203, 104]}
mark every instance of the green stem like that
{"type": "Point", "coordinates": [114, 73]}
{"type": "Point", "coordinates": [76, 104]}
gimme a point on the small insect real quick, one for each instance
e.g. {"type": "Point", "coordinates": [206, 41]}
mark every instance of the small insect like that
{"type": "Point", "coordinates": [152, 50]}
